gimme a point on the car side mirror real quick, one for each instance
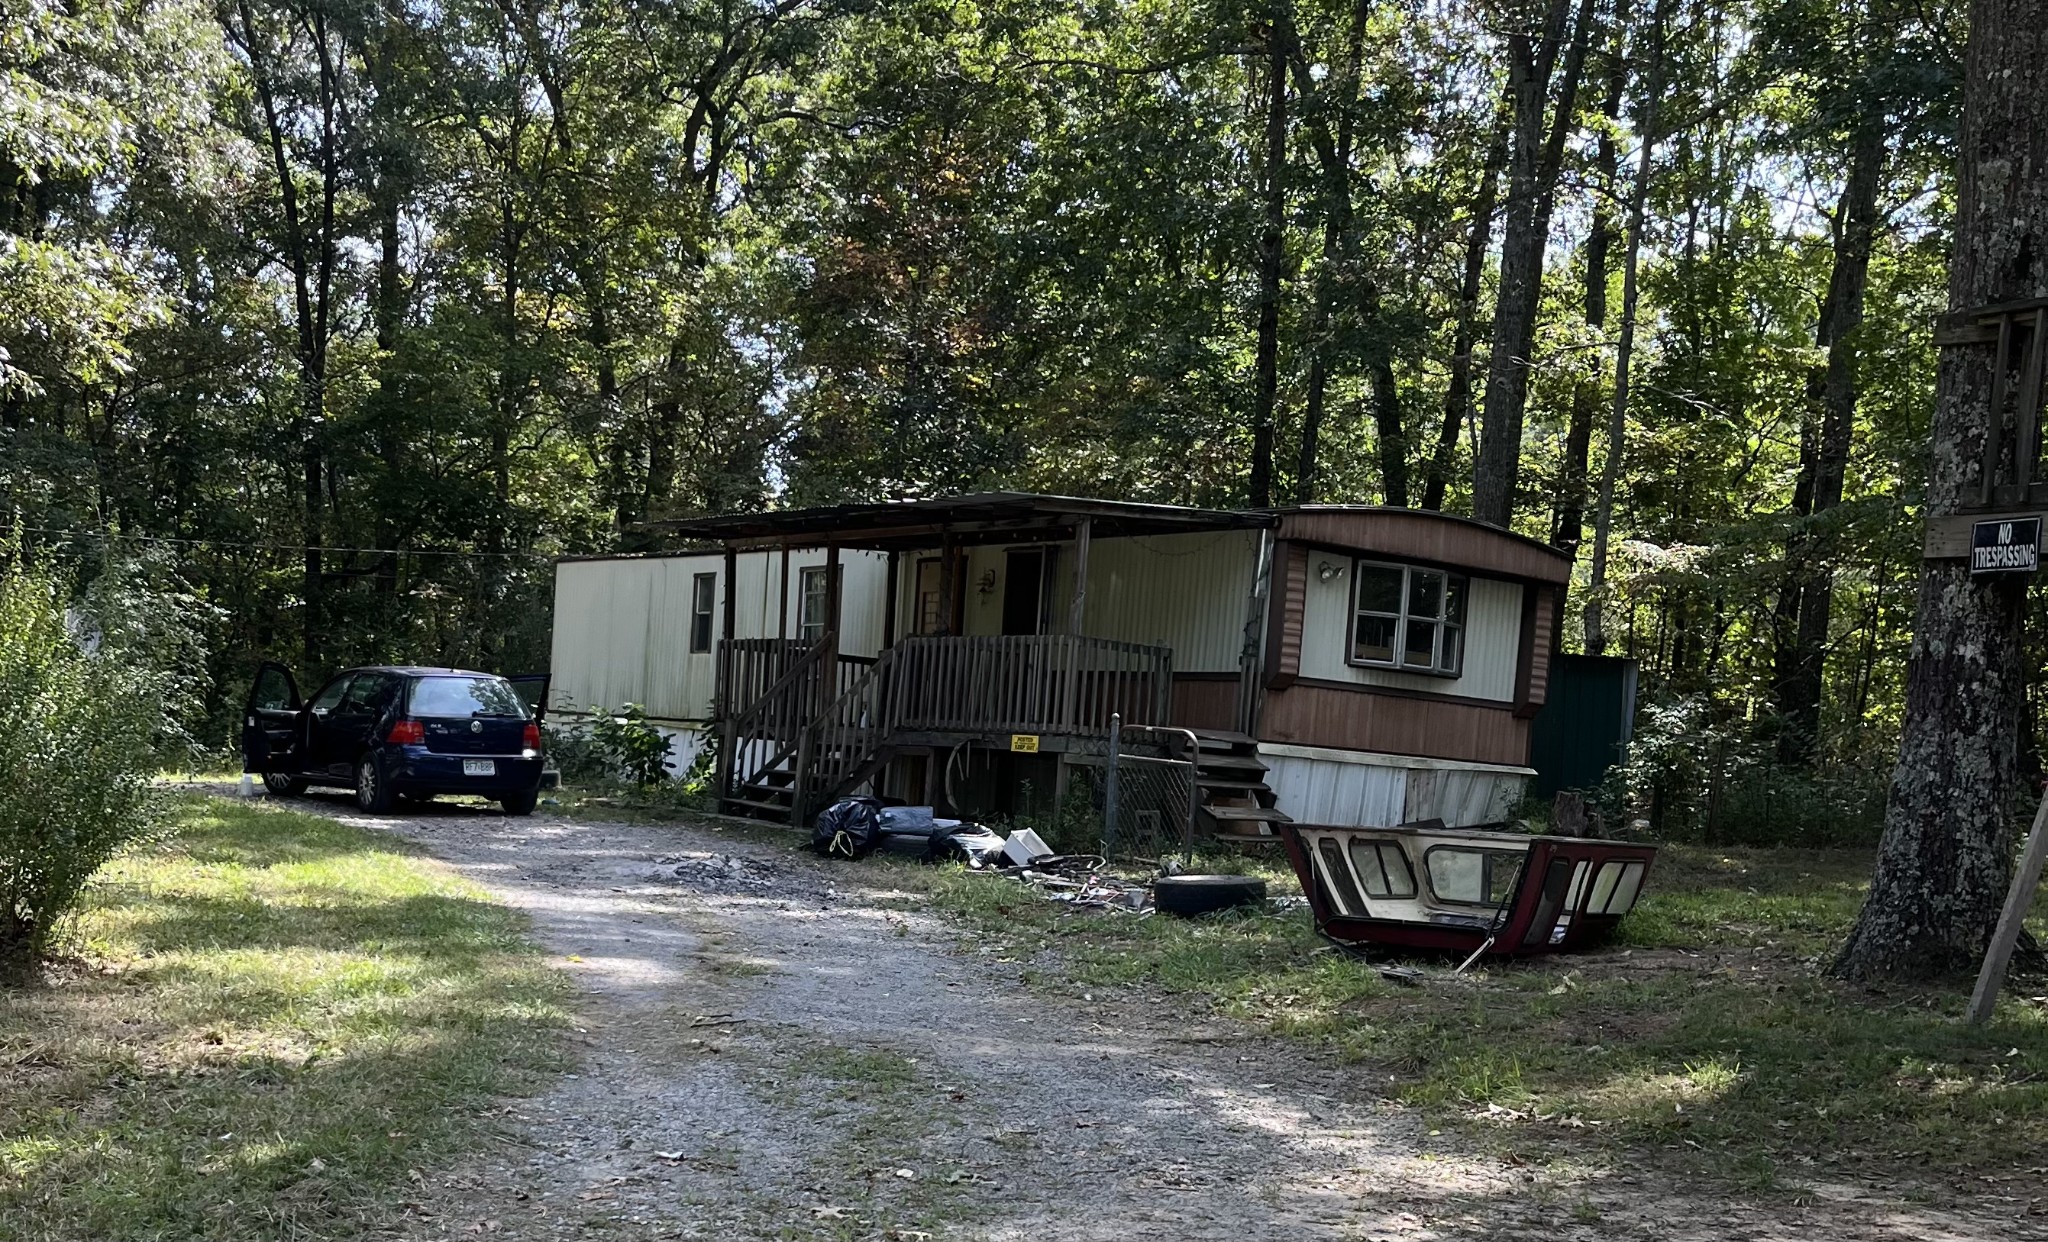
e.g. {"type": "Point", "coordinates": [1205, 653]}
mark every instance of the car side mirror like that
{"type": "Point", "coordinates": [320, 712]}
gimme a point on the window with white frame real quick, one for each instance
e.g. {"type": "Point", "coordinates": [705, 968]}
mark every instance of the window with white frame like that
{"type": "Point", "coordinates": [813, 603]}
{"type": "Point", "coordinates": [1407, 617]}
{"type": "Point", "coordinates": [703, 601]}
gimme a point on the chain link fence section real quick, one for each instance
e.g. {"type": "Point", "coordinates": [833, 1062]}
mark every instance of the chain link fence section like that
{"type": "Point", "coordinates": [1151, 771]}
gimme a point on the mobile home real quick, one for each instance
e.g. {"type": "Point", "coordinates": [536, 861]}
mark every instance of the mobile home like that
{"type": "Point", "coordinates": [1339, 665]}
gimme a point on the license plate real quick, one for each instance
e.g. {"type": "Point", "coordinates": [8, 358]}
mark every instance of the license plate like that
{"type": "Point", "coordinates": [479, 767]}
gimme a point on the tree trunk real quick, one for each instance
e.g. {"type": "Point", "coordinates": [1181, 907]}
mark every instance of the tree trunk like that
{"type": "Point", "coordinates": [1339, 261]}
{"type": "Point", "coordinates": [1458, 392]}
{"type": "Point", "coordinates": [1946, 855]}
{"type": "Point", "coordinates": [308, 250]}
{"type": "Point", "coordinates": [1624, 348]}
{"type": "Point", "coordinates": [1533, 163]}
{"type": "Point", "coordinates": [1569, 526]}
{"type": "Point", "coordinates": [1266, 381]}
{"type": "Point", "coordinates": [1808, 600]}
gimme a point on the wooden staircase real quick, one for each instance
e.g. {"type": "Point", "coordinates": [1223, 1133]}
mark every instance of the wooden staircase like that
{"type": "Point", "coordinates": [793, 757]}
{"type": "Point", "coordinates": [1236, 805]}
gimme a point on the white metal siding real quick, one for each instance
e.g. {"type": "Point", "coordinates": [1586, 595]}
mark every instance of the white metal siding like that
{"type": "Point", "coordinates": [1493, 637]}
{"type": "Point", "coordinates": [1187, 592]}
{"type": "Point", "coordinates": [622, 635]}
{"type": "Point", "coordinates": [1352, 789]}
{"type": "Point", "coordinates": [622, 627]}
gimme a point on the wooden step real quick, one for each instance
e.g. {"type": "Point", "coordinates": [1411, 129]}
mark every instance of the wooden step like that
{"type": "Point", "coordinates": [1230, 763]}
{"type": "Point", "coordinates": [1233, 783]}
{"type": "Point", "coordinates": [1248, 814]}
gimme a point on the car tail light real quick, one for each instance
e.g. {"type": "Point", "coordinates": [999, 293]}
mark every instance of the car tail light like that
{"type": "Point", "coordinates": [532, 738]}
{"type": "Point", "coordinates": [407, 733]}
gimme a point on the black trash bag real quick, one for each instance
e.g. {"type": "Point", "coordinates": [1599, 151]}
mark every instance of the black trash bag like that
{"type": "Point", "coordinates": [849, 828]}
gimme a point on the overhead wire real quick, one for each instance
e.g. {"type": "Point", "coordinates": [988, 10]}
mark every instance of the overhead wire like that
{"type": "Point", "coordinates": [73, 533]}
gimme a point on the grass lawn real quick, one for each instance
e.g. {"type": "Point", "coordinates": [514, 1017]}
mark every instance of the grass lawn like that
{"type": "Point", "coordinates": [1708, 1032]}
{"type": "Point", "coordinates": [268, 1024]}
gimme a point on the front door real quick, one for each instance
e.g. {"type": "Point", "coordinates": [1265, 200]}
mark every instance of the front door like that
{"type": "Point", "coordinates": [270, 721]}
{"type": "Point", "coordinates": [1024, 575]}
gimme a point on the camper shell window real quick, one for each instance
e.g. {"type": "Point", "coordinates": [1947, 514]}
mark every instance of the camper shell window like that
{"type": "Point", "coordinates": [1407, 617]}
{"type": "Point", "coordinates": [1464, 876]}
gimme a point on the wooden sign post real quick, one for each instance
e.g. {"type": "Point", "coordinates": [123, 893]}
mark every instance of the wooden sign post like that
{"type": "Point", "coordinates": [2012, 918]}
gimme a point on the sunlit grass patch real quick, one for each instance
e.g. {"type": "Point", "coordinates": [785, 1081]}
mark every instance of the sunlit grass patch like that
{"type": "Point", "coordinates": [1707, 1033]}
{"type": "Point", "coordinates": [269, 1021]}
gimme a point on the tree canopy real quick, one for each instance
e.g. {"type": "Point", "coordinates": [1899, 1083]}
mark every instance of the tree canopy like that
{"type": "Point", "coordinates": [368, 310]}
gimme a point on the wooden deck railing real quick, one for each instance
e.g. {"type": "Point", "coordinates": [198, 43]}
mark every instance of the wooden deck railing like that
{"type": "Point", "coordinates": [1034, 683]}
{"type": "Point", "coordinates": [825, 722]}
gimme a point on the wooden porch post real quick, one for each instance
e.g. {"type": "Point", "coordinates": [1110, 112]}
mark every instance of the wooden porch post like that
{"type": "Point", "coordinates": [782, 613]}
{"type": "Point", "coordinates": [723, 699]}
{"type": "Point", "coordinates": [832, 599]}
{"type": "Point", "coordinates": [1077, 608]}
{"type": "Point", "coordinates": [949, 586]}
{"type": "Point", "coordinates": [889, 601]}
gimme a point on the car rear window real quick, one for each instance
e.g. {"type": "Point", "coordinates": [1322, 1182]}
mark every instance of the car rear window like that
{"type": "Point", "coordinates": [466, 696]}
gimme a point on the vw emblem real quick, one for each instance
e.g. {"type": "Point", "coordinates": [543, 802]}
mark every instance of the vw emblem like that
{"type": "Point", "coordinates": [476, 726]}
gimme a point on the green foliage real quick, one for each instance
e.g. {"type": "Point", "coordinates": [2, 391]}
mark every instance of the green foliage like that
{"type": "Point", "coordinates": [1697, 776]}
{"type": "Point", "coordinates": [79, 716]}
{"type": "Point", "coordinates": [627, 747]}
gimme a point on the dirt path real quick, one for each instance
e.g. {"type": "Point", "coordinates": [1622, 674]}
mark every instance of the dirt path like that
{"type": "Point", "coordinates": [773, 1049]}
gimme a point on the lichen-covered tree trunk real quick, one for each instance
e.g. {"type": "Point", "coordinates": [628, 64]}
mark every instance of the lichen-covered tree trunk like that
{"type": "Point", "coordinates": [1946, 856]}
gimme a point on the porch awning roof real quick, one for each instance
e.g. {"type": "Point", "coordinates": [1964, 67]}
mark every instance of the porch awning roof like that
{"type": "Point", "coordinates": [984, 517]}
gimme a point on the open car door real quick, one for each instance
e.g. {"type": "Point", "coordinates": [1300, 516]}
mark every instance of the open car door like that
{"type": "Point", "coordinates": [532, 689]}
{"type": "Point", "coordinates": [270, 722]}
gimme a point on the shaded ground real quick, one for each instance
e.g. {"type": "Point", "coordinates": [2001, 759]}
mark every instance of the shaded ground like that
{"type": "Point", "coordinates": [804, 1059]}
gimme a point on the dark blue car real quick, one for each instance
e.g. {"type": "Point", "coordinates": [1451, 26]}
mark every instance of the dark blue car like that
{"type": "Point", "coordinates": [399, 732]}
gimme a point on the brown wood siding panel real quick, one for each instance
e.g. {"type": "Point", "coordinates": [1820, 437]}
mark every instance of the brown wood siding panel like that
{"type": "Point", "coordinates": [1204, 703]}
{"type": "Point", "coordinates": [1419, 535]}
{"type": "Point", "coordinates": [1543, 644]}
{"type": "Point", "coordinates": [1314, 715]}
{"type": "Point", "coordinates": [1286, 614]}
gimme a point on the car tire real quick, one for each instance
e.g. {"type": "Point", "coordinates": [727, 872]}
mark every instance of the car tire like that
{"type": "Point", "coordinates": [1189, 895]}
{"type": "Point", "coordinates": [373, 791]}
{"type": "Point", "coordinates": [521, 803]}
{"type": "Point", "coordinates": [283, 786]}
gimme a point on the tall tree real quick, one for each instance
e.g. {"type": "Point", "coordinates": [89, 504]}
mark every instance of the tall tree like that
{"type": "Point", "coordinates": [1946, 855]}
{"type": "Point", "coordinates": [1457, 408]}
{"type": "Point", "coordinates": [1568, 524]}
{"type": "Point", "coordinates": [1272, 243]}
{"type": "Point", "coordinates": [298, 61]}
{"type": "Point", "coordinates": [1535, 39]}
{"type": "Point", "coordinates": [1595, 629]}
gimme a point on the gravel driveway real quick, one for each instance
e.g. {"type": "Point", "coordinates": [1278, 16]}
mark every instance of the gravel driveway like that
{"type": "Point", "coordinates": [775, 1047]}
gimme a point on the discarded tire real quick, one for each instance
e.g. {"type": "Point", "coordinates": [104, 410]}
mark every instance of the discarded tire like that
{"type": "Point", "coordinates": [1187, 895]}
